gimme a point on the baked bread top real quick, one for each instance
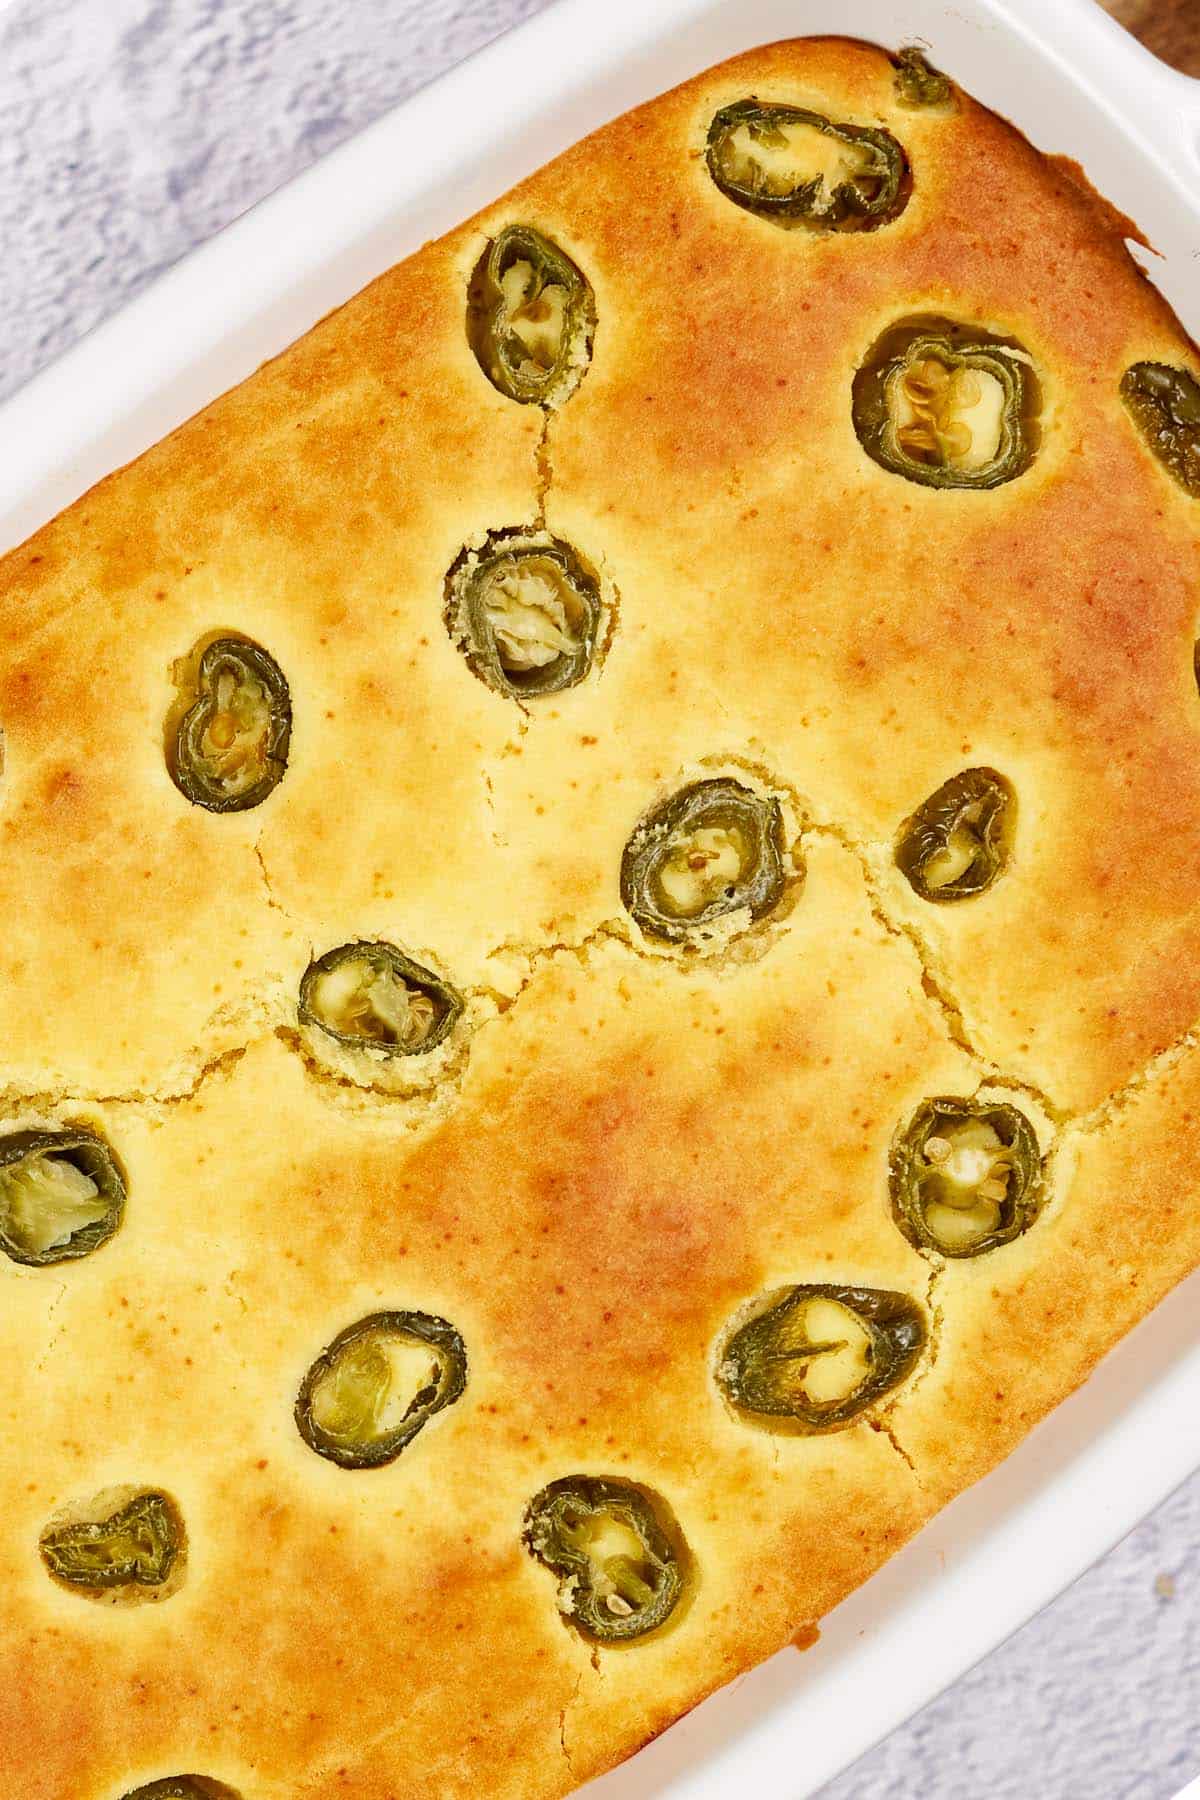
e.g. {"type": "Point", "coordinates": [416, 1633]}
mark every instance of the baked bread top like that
{"type": "Point", "coordinates": [645, 1121]}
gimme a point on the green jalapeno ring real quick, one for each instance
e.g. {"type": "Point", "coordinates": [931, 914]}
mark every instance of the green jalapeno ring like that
{"type": "Point", "coordinates": [29, 1158]}
{"type": "Point", "coordinates": [917, 367]}
{"type": "Point", "coordinates": [115, 1547]}
{"type": "Point", "coordinates": [521, 362]}
{"type": "Point", "coordinates": [723, 820]}
{"type": "Point", "coordinates": [354, 1449]}
{"type": "Point", "coordinates": [384, 961]}
{"type": "Point", "coordinates": [1164, 404]}
{"type": "Point", "coordinates": [1005, 1187]}
{"type": "Point", "coordinates": [183, 1787]}
{"type": "Point", "coordinates": [612, 1597]}
{"type": "Point", "coordinates": [526, 611]}
{"type": "Point", "coordinates": [242, 665]}
{"type": "Point", "coordinates": [969, 820]}
{"type": "Point", "coordinates": [863, 199]}
{"type": "Point", "coordinates": [762, 1356]}
{"type": "Point", "coordinates": [918, 84]}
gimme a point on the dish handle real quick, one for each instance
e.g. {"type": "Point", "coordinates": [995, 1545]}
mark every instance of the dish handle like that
{"type": "Point", "coordinates": [1181, 117]}
{"type": "Point", "coordinates": [1087, 41]}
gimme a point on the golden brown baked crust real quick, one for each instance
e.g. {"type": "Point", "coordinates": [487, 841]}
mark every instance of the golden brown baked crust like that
{"type": "Point", "coordinates": [634, 1144]}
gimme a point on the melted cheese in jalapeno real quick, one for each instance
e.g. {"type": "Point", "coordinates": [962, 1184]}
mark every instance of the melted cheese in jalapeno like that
{"type": "Point", "coordinates": [107, 1548]}
{"type": "Point", "coordinates": [369, 1389]}
{"type": "Point", "coordinates": [534, 613]}
{"type": "Point", "coordinates": [234, 743]}
{"type": "Point", "coordinates": [949, 417]}
{"type": "Point", "coordinates": [46, 1200]}
{"type": "Point", "coordinates": [838, 1356]}
{"type": "Point", "coordinates": [536, 318]}
{"type": "Point", "coordinates": [360, 998]}
{"type": "Point", "coordinates": [966, 1179]}
{"type": "Point", "coordinates": [377, 1385]}
{"type": "Point", "coordinates": [790, 155]}
{"type": "Point", "coordinates": [620, 1578]}
{"type": "Point", "coordinates": [951, 862]}
{"type": "Point", "coordinates": [701, 866]}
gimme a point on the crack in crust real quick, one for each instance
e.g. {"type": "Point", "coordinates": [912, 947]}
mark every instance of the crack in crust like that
{"type": "Point", "coordinates": [1116, 1102]}
{"type": "Point", "coordinates": [933, 981]}
{"type": "Point", "coordinates": [53, 1332]}
{"type": "Point", "coordinates": [543, 469]}
{"type": "Point", "coordinates": [614, 930]}
{"type": "Point", "coordinates": [936, 1315]}
{"type": "Point", "coordinates": [49, 1100]}
{"type": "Point", "coordinates": [273, 900]}
{"type": "Point", "coordinates": [937, 989]}
{"type": "Point", "coordinates": [489, 801]}
{"type": "Point", "coordinates": [389, 1733]}
{"type": "Point", "coordinates": [562, 1730]}
{"type": "Point", "coordinates": [887, 1431]}
{"type": "Point", "coordinates": [422, 1106]}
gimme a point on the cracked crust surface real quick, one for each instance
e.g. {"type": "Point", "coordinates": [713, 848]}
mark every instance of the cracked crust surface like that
{"type": "Point", "coordinates": [631, 1144]}
{"type": "Point", "coordinates": [583, 1183]}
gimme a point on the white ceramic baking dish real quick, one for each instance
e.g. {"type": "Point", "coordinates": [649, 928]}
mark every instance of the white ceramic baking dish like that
{"type": "Point", "coordinates": [1075, 84]}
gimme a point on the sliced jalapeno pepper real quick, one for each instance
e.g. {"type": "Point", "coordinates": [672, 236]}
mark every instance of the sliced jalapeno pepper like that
{"type": "Point", "coordinates": [918, 83]}
{"type": "Point", "coordinates": [959, 841]}
{"type": "Point", "coordinates": [372, 996]}
{"type": "Point", "coordinates": [965, 1176]}
{"type": "Point", "coordinates": [820, 1356]}
{"type": "Point", "coordinates": [531, 317]}
{"type": "Point", "coordinates": [947, 405]}
{"type": "Point", "coordinates": [377, 1385]}
{"type": "Point", "coordinates": [712, 849]}
{"type": "Point", "coordinates": [228, 736]}
{"type": "Point", "coordinates": [525, 611]}
{"type": "Point", "coordinates": [183, 1787]}
{"type": "Point", "coordinates": [796, 167]}
{"type": "Point", "coordinates": [136, 1545]}
{"type": "Point", "coordinates": [1164, 404]}
{"type": "Point", "coordinates": [616, 1550]}
{"type": "Point", "coordinates": [62, 1195]}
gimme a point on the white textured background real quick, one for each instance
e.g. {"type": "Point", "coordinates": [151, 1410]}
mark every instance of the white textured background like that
{"type": "Point", "coordinates": [129, 131]}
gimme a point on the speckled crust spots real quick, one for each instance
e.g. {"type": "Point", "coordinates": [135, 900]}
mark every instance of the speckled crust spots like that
{"type": "Point", "coordinates": [1025, 1325]}
{"type": "Point", "coordinates": [318, 507]}
{"type": "Point", "coordinates": [110, 886]}
{"type": "Point", "coordinates": [1043, 628]}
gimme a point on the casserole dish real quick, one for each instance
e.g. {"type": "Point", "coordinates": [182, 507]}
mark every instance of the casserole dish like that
{"type": "Point", "coordinates": [645, 68]}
